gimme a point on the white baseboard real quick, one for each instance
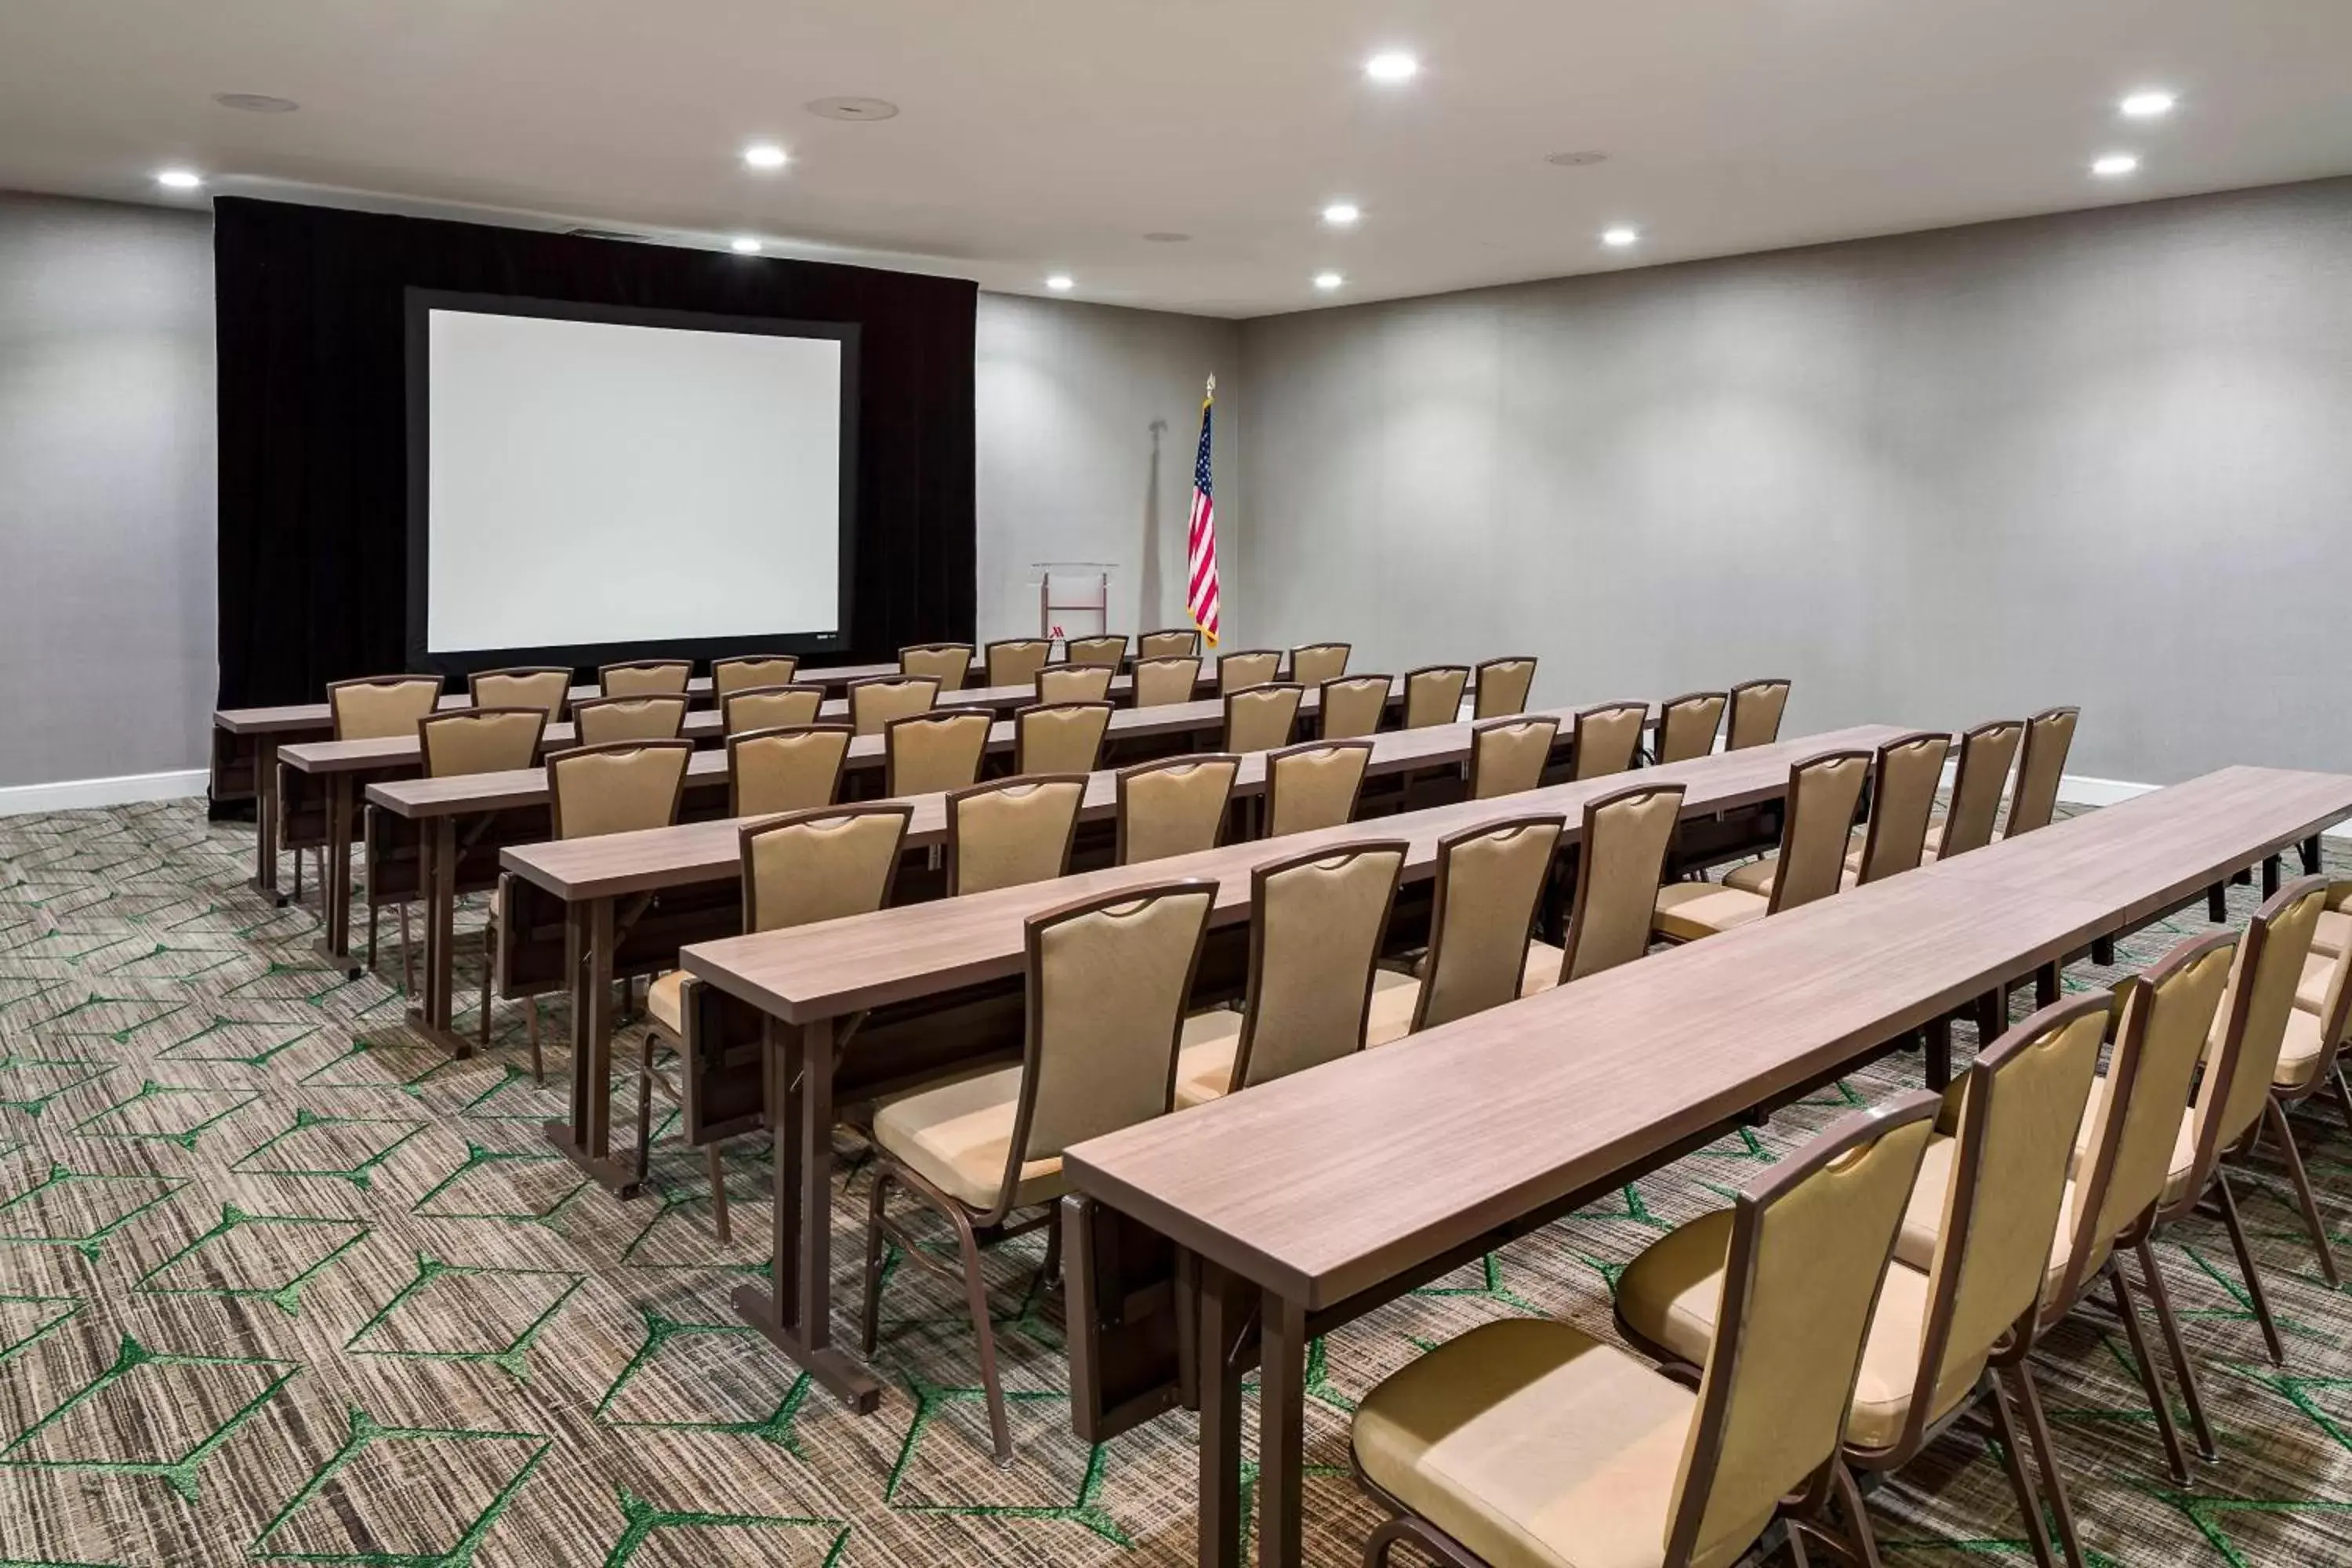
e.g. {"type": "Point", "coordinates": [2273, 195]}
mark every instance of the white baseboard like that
{"type": "Point", "coordinates": [82, 795]}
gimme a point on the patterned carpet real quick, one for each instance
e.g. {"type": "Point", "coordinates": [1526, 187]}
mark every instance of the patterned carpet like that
{"type": "Point", "coordinates": [278, 1283]}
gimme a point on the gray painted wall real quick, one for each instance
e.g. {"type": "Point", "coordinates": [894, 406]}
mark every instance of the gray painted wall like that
{"type": "Point", "coordinates": [2102, 459]}
{"type": "Point", "coordinates": [106, 489]}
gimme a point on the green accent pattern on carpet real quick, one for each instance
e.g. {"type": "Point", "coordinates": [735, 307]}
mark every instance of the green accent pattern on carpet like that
{"type": "Point", "coordinates": [281, 1284]}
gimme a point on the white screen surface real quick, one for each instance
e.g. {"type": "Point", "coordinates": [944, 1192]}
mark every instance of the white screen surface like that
{"type": "Point", "coordinates": [595, 483]}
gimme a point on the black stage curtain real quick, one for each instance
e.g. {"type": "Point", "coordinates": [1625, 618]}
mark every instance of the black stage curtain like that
{"type": "Point", "coordinates": [313, 438]}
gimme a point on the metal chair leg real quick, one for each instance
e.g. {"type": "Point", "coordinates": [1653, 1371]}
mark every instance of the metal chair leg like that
{"type": "Point", "coordinates": [2045, 1459]}
{"type": "Point", "coordinates": [2013, 1458]}
{"type": "Point", "coordinates": [870, 1321]}
{"type": "Point", "coordinates": [1863, 1538]}
{"type": "Point", "coordinates": [2183, 1372]}
{"type": "Point", "coordinates": [2343, 1094]}
{"type": "Point", "coordinates": [2160, 1402]}
{"type": "Point", "coordinates": [999, 1426]}
{"type": "Point", "coordinates": [712, 1155]}
{"type": "Point", "coordinates": [2275, 1114]}
{"type": "Point", "coordinates": [645, 1106]}
{"type": "Point", "coordinates": [2246, 1265]}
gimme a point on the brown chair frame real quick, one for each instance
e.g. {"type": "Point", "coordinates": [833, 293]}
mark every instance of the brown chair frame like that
{"type": "Point", "coordinates": [1196, 759]}
{"type": "Point", "coordinates": [954, 804]}
{"type": "Point", "coordinates": [605, 673]}
{"type": "Point", "coordinates": [587, 705]}
{"type": "Point", "coordinates": [1452, 714]}
{"type": "Point", "coordinates": [1020, 731]}
{"type": "Point", "coordinates": [1509, 722]}
{"type": "Point", "coordinates": [734, 774]}
{"type": "Point", "coordinates": [555, 712]}
{"type": "Point", "coordinates": [1721, 701]}
{"type": "Point", "coordinates": [1260, 875]}
{"type": "Point", "coordinates": [1274, 773]}
{"type": "Point", "coordinates": [1743, 697]}
{"type": "Point", "coordinates": [1480, 686]}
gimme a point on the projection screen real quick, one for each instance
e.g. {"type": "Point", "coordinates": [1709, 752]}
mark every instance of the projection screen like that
{"type": "Point", "coordinates": [589, 484]}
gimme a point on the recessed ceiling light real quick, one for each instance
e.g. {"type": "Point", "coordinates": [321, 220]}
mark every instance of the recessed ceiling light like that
{"type": "Point", "coordinates": [1166, 237]}
{"type": "Point", "coordinates": [179, 179]}
{"type": "Point", "coordinates": [256, 102]}
{"type": "Point", "coordinates": [744, 245]}
{"type": "Point", "coordinates": [853, 109]}
{"type": "Point", "coordinates": [1392, 65]}
{"type": "Point", "coordinates": [1339, 215]}
{"type": "Point", "coordinates": [1620, 235]}
{"type": "Point", "coordinates": [765, 156]}
{"type": "Point", "coordinates": [2148, 105]}
{"type": "Point", "coordinates": [1328, 281]}
{"type": "Point", "coordinates": [1061, 282]}
{"type": "Point", "coordinates": [2115, 164]}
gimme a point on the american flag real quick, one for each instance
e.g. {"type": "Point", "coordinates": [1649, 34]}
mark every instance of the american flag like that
{"type": "Point", "coordinates": [1201, 597]}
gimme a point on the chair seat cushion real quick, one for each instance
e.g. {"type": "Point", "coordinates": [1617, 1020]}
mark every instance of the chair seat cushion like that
{"type": "Point", "coordinates": [665, 1001]}
{"type": "Point", "coordinates": [1690, 911]}
{"type": "Point", "coordinates": [2311, 991]}
{"type": "Point", "coordinates": [957, 1136]}
{"type": "Point", "coordinates": [2299, 1057]}
{"type": "Point", "coordinates": [1541, 971]}
{"type": "Point", "coordinates": [1923, 1218]}
{"type": "Point", "coordinates": [1204, 1059]}
{"type": "Point", "coordinates": [2184, 1142]}
{"type": "Point", "coordinates": [1395, 997]}
{"type": "Point", "coordinates": [2334, 933]}
{"type": "Point", "coordinates": [1534, 1445]}
{"type": "Point", "coordinates": [1757, 876]}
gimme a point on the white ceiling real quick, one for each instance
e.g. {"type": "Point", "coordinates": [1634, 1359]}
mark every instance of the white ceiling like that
{"type": "Point", "coordinates": [1051, 135]}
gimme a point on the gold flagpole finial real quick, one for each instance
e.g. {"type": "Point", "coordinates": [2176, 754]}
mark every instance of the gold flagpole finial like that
{"type": "Point", "coordinates": [1213, 387]}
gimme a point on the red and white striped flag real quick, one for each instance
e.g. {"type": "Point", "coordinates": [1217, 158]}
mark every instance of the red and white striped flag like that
{"type": "Point", "coordinates": [1201, 546]}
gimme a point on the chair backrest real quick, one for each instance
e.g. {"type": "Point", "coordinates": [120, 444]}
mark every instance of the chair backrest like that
{"type": "Point", "coordinates": [1501, 686]}
{"type": "Point", "coordinates": [749, 671]}
{"type": "Point", "coordinates": [1316, 926]}
{"type": "Point", "coordinates": [1059, 737]}
{"type": "Point", "coordinates": [2048, 734]}
{"type": "Point", "coordinates": [1621, 860]}
{"type": "Point", "coordinates": [1108, 981]}
{"type": "Point", "coordinates": [1904, 782]}
{"type": "Point", "coordinates": [646, 678]}
{"type": "Point", "coordinates": [1824, 795]}
{"type": "Point", "coordinates": [1314, 663]}
{"type": "Point", "coordinates": [1109, 649]}
{"type": "Point", "coordinates": [1756, 709]}
{"type": "Point", "coordinates": [1808, 1253]}
{"type": "Point", "coordinates": [481, 740]}
{"type": "Point", "coordinates": [2335, 1011]}
{"type": "Point", "coordinates": [927, 754]}
{"type": "Point", "coordinates": [1488, 881]}
{"type": "Point", "coordinates": [1986, 752]}
{"type": "Point", "coordinates": [876, 702]}
{"type": "Point", "coordinates": [949, 663]}
{"type": "Point", "coordinates": [2242, 1054]}
{"type": "Point", "coordinates": [2020, 1105]}
{"type": "Point", "coordinates": [1508, 756]}
{"type": "Point", "coordinates": [1260, 719]}
{"type": "Point", "coordinates": [1177, 643]}
{"type": "Point", "coordinates": [2163, 1020]}
{"type": "Point", "coordinates": [821, 864]}
{"type": "Point", "coordinates": [1171, 678]}
{"type": "Point", "coordinates": [1608, 739]}
{"type": "Point", "coordinates": [1314, 785]}
{"type": "Point", "coordinates": [1352, 705]}
{"type": "Point", "coordinates": [1687, 725]}
{"type": "Point", "coordinates": [1432, 695]}
{"type": "Point", "coordinates": [1011, 831]}
{"type": "Point", "coordinates": [770, 707]}
{"type": "Point", "coordinates": [617, 788]}
{"type": "Point", "coordinates": [789, 768]}
{"type": "Point", "coordinates": [1173, 807]}
{"type": "Point", "coordinates": [546, 687]}
{"type": "Point", "coordinates": [1015, 661]}
{"type": "Point", "coordinates": [381, 708]}
{"type": "Point", "coordinates": [603, 721]}
{"type": "Point", "coordinates": [1074, 683]}
{"type": "Point", "coordinates": [1251, 667]}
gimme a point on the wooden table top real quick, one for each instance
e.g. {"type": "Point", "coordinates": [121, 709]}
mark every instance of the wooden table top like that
{"type": "Point", "coordinates": [844, 966]}
{"type": "Point", "coordinates": [1329, 1182]}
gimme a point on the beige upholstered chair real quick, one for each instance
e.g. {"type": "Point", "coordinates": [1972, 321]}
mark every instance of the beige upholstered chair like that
{"type": "Point", "coordinates": [1096, 1058]}
{"type": "Point", "coordinates": [1489, 879]}
{"type": "Point", "coordinates": [928, 754]}
{"type": "Point", "coordinates": [1015, 661]}
{"type": "Point", "coordinates": [1510, 756]}
{"type": "Point", "coordinates": [1059, 737]}
{"type": "Point", "coordinates": [1180, 642]}
{"type": "Point", "coordinates": [1621, 860]}
{"type": "Point", "coordinates": [1315, 663]}
{"type": "Point", "coordinates": [1352, 706]}
{"type": "Point", "coordinates": [547, 687]}
{"type": "Point", "coordinates": [1075, 683]}
{"type": "Point", "coordinates": [810, 866]}
{"type": "Point", "coordinates": [1905, 777]}
{"type": "Point", "coordinates": [874, 702]}
{"type": "Point", "coordinates": [1316, 925]}
{"type": "Point", "coordinates": [1986, 752]}
{"type": "Point", "coordinates": [1608, 739]}
{"type": "Point", "coordinates": [1173, 807]}
{"type": "Point", "coordinates": [1432, 695]}
{"type": "Point", "coordinates": [1251, 667]}
{"type": "Point", "coordinates": [949, 663]}
{"type": "Point", "coordinates": [452, 741]}
{"type": "Point", "coordinates": [1942, 1336]}
{"type": "Point", "coordinates": [1160, 682]}
{"type": "Point", "coordinates": [1756, 707]}
{"type": "Point", "coordinates": [646, 678]}
{"type": "Point", "coordinates": [1314, 785]}
{"type": "Point", "coordinates": [1011, 831]}
{"type": "Point", "coordinates": [752, 671]}
{"type": "Point", "coordinates": [381, 708]}
{"type": "Point", "coordinates": [1526, 1441]}
{"type": "Point", "coordinates": [2049, 735]}
{"type": "Point", "coordinates": [1687, 726]}
{"type": "Point", "coordinates": [604, 720]}
{"type": "Point", "coordinates": [770, 707]}
{"type": "Point", "coordinates": [1824, 793]}
{"type": "Point", "coordinates": [1500, 686]}
{"type": "Point", "coordinates": [789, 768]}
{"type": "Point", "coordinates": [1260, 718]}
{"type": "Point", "coordinates": [1110, 649]}
{"type": "Point", "coordinates": [2310, 1058]}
